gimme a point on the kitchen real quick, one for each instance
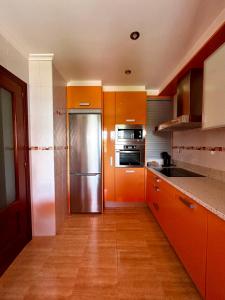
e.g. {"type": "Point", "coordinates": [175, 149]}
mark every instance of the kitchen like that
{"type": "Point", "coordinates": [122, 192]}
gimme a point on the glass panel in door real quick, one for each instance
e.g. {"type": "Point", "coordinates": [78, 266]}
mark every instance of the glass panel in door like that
{"type": "Point", "coordinates": [7, 147]}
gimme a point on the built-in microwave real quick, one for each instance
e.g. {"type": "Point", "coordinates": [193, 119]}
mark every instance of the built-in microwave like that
{"type": "Point", "coordinates": [129, 155]}
{"type": "Point", "coordinates": [130, 134]}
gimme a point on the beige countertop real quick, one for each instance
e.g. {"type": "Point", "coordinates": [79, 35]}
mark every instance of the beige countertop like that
{"type": "Point", "coordinates": [207, 192]}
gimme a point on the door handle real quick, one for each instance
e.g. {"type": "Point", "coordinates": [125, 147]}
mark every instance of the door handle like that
{"type": "Point", "coordinates": [186, 202]}
{"type": "Point", "coordinates": [111, 161]}
{"type": "Point", "coordinates": [130, 171]}
{"type": "Point", "coordinates": [130, 120]}
{"type": "Point", "coordinates": [84, 174]}
{"type": "Point", "coordinates": [84, 103]}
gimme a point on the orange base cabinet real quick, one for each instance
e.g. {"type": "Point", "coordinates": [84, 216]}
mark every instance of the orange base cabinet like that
{"type": "Point", "coordinates": [84, 97]}
{"type": "Point", "coordinates": [130, 185]}
{"type": "Point", "coordinates": [188, 235]}
{"type": "Point", "coordinates": [131, 107]}
{"type": "Point", "coordinates": [109, 145]}
{"type": "Point", "coordinates": [215, 282]}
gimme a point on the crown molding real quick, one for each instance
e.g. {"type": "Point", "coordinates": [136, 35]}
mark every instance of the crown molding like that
{"type": "Point", "coordinates": [84, 83]}
{"type": "Point", "coordinates": [152, 92]}
{"type": "Point", "coordinates": [41, 56]}
{"type": "Point", "coordinates": [124, 88]}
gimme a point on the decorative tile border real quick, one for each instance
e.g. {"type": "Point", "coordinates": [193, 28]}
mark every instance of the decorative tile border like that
{"type": "Point", "coordinates": [211, 149]}
{"type": "Point", "coordinates": [48, 148]}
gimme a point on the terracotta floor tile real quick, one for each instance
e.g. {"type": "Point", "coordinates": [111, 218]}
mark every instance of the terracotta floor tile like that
{"type": "Point", "coordinates": [119, 255]}
{"type": "Point", "coordinates": [93, 277]}
{"type": "Point", "coordinates": [51, 287]}
{"type": "Point", "coordinates": [95, 260]}
{"type": "Point", "coordinates": [94, 293]}
{"type": "Point", "coordinates": [59, 270]}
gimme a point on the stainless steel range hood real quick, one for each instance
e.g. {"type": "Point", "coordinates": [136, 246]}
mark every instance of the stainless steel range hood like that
{"type": "Point", "coordinates": [189, 103]}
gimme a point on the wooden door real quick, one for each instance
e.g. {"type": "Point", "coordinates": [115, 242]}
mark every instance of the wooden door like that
{"type": "Point", "coordinates": [130, 108]}
{"type": "Point", "coordinates": [15, 218]}
{"type": "Point", "coordinates": [130, 185]}
{"type": "Point", "coordinates": [109, 145]}
{"type": "Point", "coordinates": [215, 275]}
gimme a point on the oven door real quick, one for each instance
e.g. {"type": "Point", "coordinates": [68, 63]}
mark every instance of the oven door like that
{"type": "Point", "coordinates": [129, 158]}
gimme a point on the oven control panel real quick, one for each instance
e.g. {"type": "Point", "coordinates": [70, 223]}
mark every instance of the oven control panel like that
{"type": "Point", "coordinates": [130, 147]}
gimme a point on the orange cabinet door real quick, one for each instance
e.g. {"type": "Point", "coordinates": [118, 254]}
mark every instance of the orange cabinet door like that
{"type": "Point", "coordinates": [188, 225]}
{"type": "Point", "coordinates": [152, 194]}
{"type": "Point", "coordinates": [130, 185]}
{"type": "Point", "coordinates": [109, 104]}
{"type": "Point", "coordinates": [215, 282]}
{"type": "Point", "coordinates": [147, 187]}
{"type": "Point", "coordinates": [166, 196]}
{"type": "Point", "coordinates": [130, 107]}
{"type": "Point", "coordinates": [84, 97]}
{"type": "Point", "coordinates": [160, 195]}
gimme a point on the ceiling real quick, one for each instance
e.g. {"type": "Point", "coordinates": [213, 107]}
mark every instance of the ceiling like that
{"type": "Point", "coordinates": [90, 38]}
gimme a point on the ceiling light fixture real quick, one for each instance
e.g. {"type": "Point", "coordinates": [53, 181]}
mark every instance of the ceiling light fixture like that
{"type": "Point", "coordinates": [127, 72]}
{"type": "Point", "coordinates": [134, 35]}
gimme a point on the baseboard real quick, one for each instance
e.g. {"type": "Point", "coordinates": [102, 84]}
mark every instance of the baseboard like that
{"type": "Point", "coordinates": [109, 204]}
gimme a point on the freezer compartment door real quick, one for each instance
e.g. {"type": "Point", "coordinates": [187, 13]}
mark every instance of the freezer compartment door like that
{"type": "Point", "coordinates": [85, 143]}
{"type": "Point", "coordinates": [85, 193]}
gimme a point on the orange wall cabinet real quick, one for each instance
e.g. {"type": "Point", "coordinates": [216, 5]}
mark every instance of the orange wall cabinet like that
{"type": "Point", "coordinates": [109, 104]}
{"type": "Point", "coordinates": [215, 282]}
{"type": "Point", "coordinates": [131, 107]}
{"type": "Point", "coordinates": [130, 185]}
{"type": "Point", "coordinates": [84, 97]}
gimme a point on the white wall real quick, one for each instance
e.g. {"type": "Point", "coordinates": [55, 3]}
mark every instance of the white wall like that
{"type": "Point", "coordinates": [41, 145]}
{"type": "Point", "coordinates": [47, 119]}
{"type": "Point", "coordinates": [60, 143]}
{"type": "Point", "coordinates": [12, 60]}
{"type": "Point", "coordinates": [204, 141]}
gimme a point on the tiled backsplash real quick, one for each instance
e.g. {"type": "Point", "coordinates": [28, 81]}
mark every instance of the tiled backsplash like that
{"type": "Point", "coordinates": [205, 148]}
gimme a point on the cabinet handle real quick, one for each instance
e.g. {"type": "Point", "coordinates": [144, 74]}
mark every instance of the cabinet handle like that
{"type": "Point", "coordinates": [85, 104]}
{"type": "Point", "coordinates": [186, 202]}
{"type": "Point", "coordinates": [157, 179]}
{"type": "Point", "coordinates": [156, 206]}
{"type": "Point", "coordinates": [130, 120]}
{"type": "Point", "coordinates": [111, 161]}
{"type": "Point", "coordinates": [130, 171]}
{"type": "Point", "coordinates": [157, 189]}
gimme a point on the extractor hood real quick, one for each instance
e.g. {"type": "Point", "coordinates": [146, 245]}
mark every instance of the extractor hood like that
{"type": "Point", "coordinates": [189, 103]}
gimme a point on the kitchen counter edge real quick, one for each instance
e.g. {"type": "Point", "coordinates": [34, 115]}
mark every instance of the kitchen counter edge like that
{"type": "Point", "coordinates": [220, 212]}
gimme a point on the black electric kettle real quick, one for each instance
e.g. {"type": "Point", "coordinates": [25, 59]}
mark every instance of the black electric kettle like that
{"type": "Point", "coordinates": [166, 159]}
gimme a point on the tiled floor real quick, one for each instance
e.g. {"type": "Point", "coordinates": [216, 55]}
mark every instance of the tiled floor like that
{"type": "Point", "coordinates": [121, 254]}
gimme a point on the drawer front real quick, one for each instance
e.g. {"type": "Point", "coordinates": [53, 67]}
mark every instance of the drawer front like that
{"type": "Point", "coordinates": [88, 97]}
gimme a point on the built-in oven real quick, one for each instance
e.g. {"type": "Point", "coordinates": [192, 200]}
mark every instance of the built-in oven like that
{"type": "Point", "coordinates": [129, 155]}
{"type": "Point", "coordinates": [130, 134]}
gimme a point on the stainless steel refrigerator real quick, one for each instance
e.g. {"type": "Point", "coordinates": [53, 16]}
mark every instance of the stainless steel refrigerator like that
{"type": "Point", "coordinates": [85, 162]}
